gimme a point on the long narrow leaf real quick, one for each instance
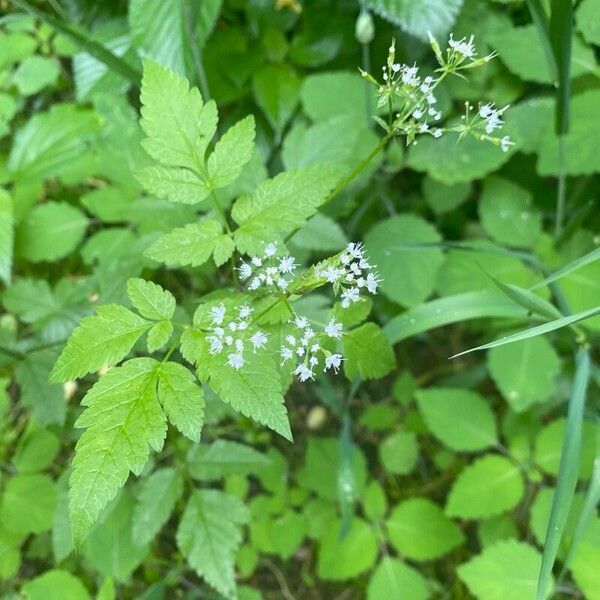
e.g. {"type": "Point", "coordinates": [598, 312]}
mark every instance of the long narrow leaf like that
{"type": "Point", "coordinates": [561, 35]}
{"type": "Point", "coordinates": [452, 309]}
{"type": "Point", "coordinates": [538, 330]}
{"type": "Point", "coordinates": [528, 300]}
{"type": "Point", "coordinates": [542, 23]}
{"type": "Point", "coordinates": [568, 471]}
{"type": "Point", "coordinates": [84, 41]}
{"type": "Point", "coordinates": [590, 257]}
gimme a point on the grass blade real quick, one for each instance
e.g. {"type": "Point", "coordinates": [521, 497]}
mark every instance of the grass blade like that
{"type": "Point", "coordinates": [567, 471]}
{"type": "Point", "coordinates": [561, 34]}
{"type": "Point", "coordinates": [451, 309]}
{"type": "Point", "coordinates": [590, 257]}
{"type": "Point", "coordinates": [83, 40]}
{"type": "Point", "coordinates": [532, 302]}
{"type": "Point", "coordinates": [537, 330]}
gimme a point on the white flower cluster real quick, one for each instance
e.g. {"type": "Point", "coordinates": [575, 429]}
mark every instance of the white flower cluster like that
{"type": "Point", "coordinates": [492, 120]}
{"type": "Point", "coordinates": [351, 274]}
{"type": "Point", "coordinates": [230, 336]}
{"type": "Point", "coordinates": [305, 349]}
{"type": "Point", "coordinates": [268, 270]}
{"type": "Point", "coordinates": [464, 47]}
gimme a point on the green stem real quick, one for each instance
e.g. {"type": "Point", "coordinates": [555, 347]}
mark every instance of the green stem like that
{"type": "Point", "coordinates": [561, 189]}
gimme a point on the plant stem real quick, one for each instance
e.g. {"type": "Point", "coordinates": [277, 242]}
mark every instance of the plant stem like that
{"type": "Point", "coordinates": [366, 65]}
{"type": "Point", "coordinates": [561, 189]}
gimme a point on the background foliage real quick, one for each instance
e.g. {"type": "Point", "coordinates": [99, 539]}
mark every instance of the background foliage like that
{"type": "Point", "coordinates": [413, 477]}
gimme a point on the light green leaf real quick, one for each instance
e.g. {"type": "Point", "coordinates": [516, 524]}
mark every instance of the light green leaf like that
{"type": "Point", "coordinates": [177, 185]}
{"type": "Point", "coordinates": [123, 420]}
{"type": "Point", "coordinates": [418, 17]}
{"type": "Point", "coordinates": [407, 268]}
{"type": "Point", "coordinates": [321, 233]}
{"type": "Point", "coordinates": [525, 372]}
{"type": "Point", "coordinates": [28, 504]}
{"type": "Point", "coordinates": [529, 300]}
{"type": "Point", "coordinates": [36, 451]}
{"type": "Point", "coordinates": [55, 585]}
{"type": "Point", "coordinates": [280, 205]}
{"type": "Point", "coordinates": [49, 232]}
{"type": "Point", "coordinates": [182, 399]}
{"type": "Point", "coordinates": [103, 339]}
{"type": "Point", "coordinates": [223, 458]}
{"type": "Point", "coordinates": [443, 198]}
{"type": "Point", "coordinates": [489, 486]}
{"type": "Point", "coordinates": [35, 73]}
{"type": "Point", "coordinates": [394, 579]}
{"type": "Point", "coordinates": [150, 300]}
{"type": "Point", "coordinates": [497, 528]}
{"type": "Point", "coordinates": [231, 153]}
{"type": "Point", "coordinates": [6, 237]}
{"type": "Point", "coordinates": [276, 89]}
{"type": "Point", "coordinates": [460, 419]}
{"type": "Point", "coordinates": [209, 536]}
{"type": "Point", "coordinates": [588, 21]}
{"type": "Point", "coordinates": [506, 213]}
{"type": "Point", "coordinates": [347, 557]}
{"type": "Point", "coordinates": [584, 565]}
{"type": "Point", "coordinates": [159, 335]}
{"type": "Point", "coordinates": [374, 501]}
{"type": "Point", "coordinates": [507, 570]}
{"type": "Point", "coordinates": [368, 352]}
{"type": "Point", "coordinates": [156, 500]}
{"type": "Point", "coordinates": [399, 452]}
{"type": "Point", "coordinates": [191, 245]}
{"type": "Point", "coordinates": [419, 530]}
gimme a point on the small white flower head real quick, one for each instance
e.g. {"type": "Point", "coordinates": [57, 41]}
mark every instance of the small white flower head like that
{"type": "Point", "coordinates": [463, 46]}
{"type": "Point", "coordinates": [286, 354]}
{"type": "Point", "coordinates": [287, 264]}
{"type": "Point", "coordinates": [333, 329]}
{"type": "Point", "coordinates": [304, 373]}
{"type": "Point", "coordinates": [301, 322]}
{"type": "Point", "coordinates": [334, 362]}
{"type": "Point", "coordinates": [239, 346]}
{"type": "Point", "coordinates": [313, 361]}
{"type": "Point", "coordinates": [256, 261]}
{"type": "Point", "coordinates": [236, 360]}
{"type": "Point", "coordinates": [437, 133]}
{"type": "Point", "coordinates": [216, 345]}
{"type": "Point", "coordinates": [218, 314]}
{"type": "Point", "coordinates": [258, 340]}
{"type": "Point", "coordinates": [270, 249]}
{"type": "Point", "coordinates": [506, 143]}
{"type": "Point", "coordinates": [244, 311]}
{"type": "Point", "coordinates": [350, 296]}
{"type": "Point", "coordinates": [372, 283]}
{"type": "Point", "coordinates": [245, 271]}
{"type": "Point", "coordinates": [417, 113]}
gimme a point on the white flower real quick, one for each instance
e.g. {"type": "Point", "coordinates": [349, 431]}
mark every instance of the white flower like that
{"type": "Point", "coordinates": [313, 361]}
{"type": "Point", "coordinates": [256, 261]}
{"type": "Point", "coordinates": [395, 67]}
{"type": "Point", "coordinates": [345, 259]}
{"type": "Point", "coordinates": [290, 339]}
{"type": "Point", "coordinates": [462, 46]}
{"type": "Point", "coordinates": [423, 127]}
{"type": "Point", "coordinates": [228, 340]}
{"type": "Point", "coordinates": [372, 283]}
{"type": "Point", "coordinates": [301, 322]}
{"type": "Point", "coordinates": [437, 133]}
{"type": "Point", "coordinates": [245, 271]}
{"type": "Point", "coordinates": [270, 249]}
{"type": "Point", "coordinates": [355, 250]}
{"type": "Point", "coordinates": [333, 329]}
{"type": "Point", "coordinates": [235, 360]}
{"type": "Point", "coordinates": [334, 361]}
{"type": "Point", "coordinates": [332, 275]}
{"type": "Point", "coordinates": [218, 314]}
{"type": "Point", "coordinates": [216, 345]}
{"type": "Point", "coordinates": [287, 264]}
{"type": "Point", "coordinates": [239, 346]}
{"type": "Point", "coordinates": [219, 331]}
{"type": "Point", "coordinates": [505, 143]}
{"type": "Point", "coordinates": [304, 373]}
{"type": "Point", "coordinates": [258, 340]}
{"type": "Point", "coordinates": [286, 354]}
{"type": "Point", "coordinates": [486, 111]}
{"type": "Point", "coordinates": [349, 296]}
{"type": "Point", "coordinates": [254, 284]}
{"type": "Point", "coordinates": [245, 311]}
{"type": "Point", "coordinates": [418, 113]}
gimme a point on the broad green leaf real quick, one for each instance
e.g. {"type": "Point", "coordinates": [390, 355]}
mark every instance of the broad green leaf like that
{"type": "Point", "coordinates": [507, 570]}
{"type": "Point", "coordinates": [318, 90]}
{"type": "Point", "coordinates": [549, 445]}
{"type": "Point", "coordinates": [420, 531]}
{"type": "Point", "coordinates": [507, 215]}
{"type": "Point", "coordinates": [525, 372]}
{"type": "Point", "coordinates": [10, 555]}
{"type": "Point", "coordinates": [460, 419]}
{"type": "Point", "coordinates": [209, 536]}
{"type": "Point", "coordinates": [322, 465]}
{"type": "Point", "coordinates": [395, 579]}
{"type": "Point", "coordinates": [583, 567]}
{"type": "Point", "coordinates": [231, 153]}
{"type": "Point", "coordinates": [588, 21]}
{"type": "Point", "coordinates": [407, 268]}
{"type": "Point", "coordinates": [191, 245]}
{"type": "Point", "coordinates": [110, 548]}
{"type": "Point", "coordinates": [6, 237]}
{"type": "Point", "coordinates": [418, 17]}
{"type": "Point", "coordinates": [62, 539]}
{"type": "Point", "coordinates": [123, 419]}
{"type": "Point", "coordinates": [345, 558]}
{"type": "Point", "coordinates": [35, 73]}
{"type": "Point", "coordinates": [182, 399]}
{"type": "Point", "coordinates": [103, 339]}
{"type": "Point", "coordinates": [368, 352]}
{"type": "Point", "coordinates": [28, 504]}
{"type": "Point", "coordinates": [281, 535]}
{"type": "Point", "coordinates": [276, 89]}
{"type": "Point", "coordinates": [280, 205]}
{"type": "Point", "coordinates": [497, 528]}
{"type": "Point", "coordinates": [157, 497]}
{"type": "Point", "coordinates": [489, 486]}
{"type": "Point", "coordinates": [223, 458]}
{"type": "Point", "coordinates": [452, 309]}
{"type": "Point", "coordinates": [36, 451]}
{"type": "Point", "coordinates": [53, 144]}
{"type": "Point", "coordinates": [150, 300]}
{"type": "Point", "coordinates": [443, 198]}
{"type": "Point", "coordinates": [520, 50]}
{"type": "Point", "coordinates": [320, 233]}
{"type": "Point", "coordinates": [538, 330]}
{"type": "Point", "coordinates": [56, 584]}
{"type": "Point", "coordinates": [399, 452]}
{"type": "Point", "coordinates": [374, 501]}
{"type": "Point", "coordinates": [49, 232]}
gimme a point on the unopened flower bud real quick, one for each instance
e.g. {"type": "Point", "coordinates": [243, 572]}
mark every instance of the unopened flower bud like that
{"type": "Point", "coordinates": [316, 417]}
{"type": "Point", "coordinates": [365, 28]}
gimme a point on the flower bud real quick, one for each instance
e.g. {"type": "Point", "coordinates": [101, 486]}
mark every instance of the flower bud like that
{"type": "Point", "coordinates": [365, 28]}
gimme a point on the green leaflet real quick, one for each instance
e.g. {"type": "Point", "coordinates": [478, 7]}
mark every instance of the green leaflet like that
{"type": "Point", "coordinates": [192, 245]}
{"type": "Point", "coordinates": [104, 339]}
{"type": "Point", "coordinates": [280, 205]}
{"type": "Point", "coordinates": [209, 536]}
{"type": "Point", "coordinates": [368, 352]}
{"type": "Point", "coordinates": [150, 300]}
{"type": "Point", "coordinates": [123, 420]}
